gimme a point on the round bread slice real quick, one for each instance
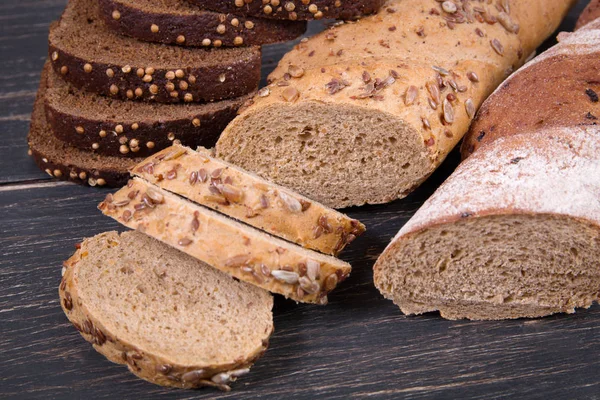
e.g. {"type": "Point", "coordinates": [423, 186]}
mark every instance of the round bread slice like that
{"type": "Point", "coordinates": [171, 319]}
{"type": "Point", "coordinates": [295, 9]}
{"type": "Point", "coordinates": [90, 55]}
{"type": "Point", "coordinates": [167, 21]}
{"type": "Point", "coordinates": [131, 129]}
{"type": "Point", "coordinates": [66, 162]}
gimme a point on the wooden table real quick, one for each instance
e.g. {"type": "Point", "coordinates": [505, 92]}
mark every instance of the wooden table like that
{"type": "Point", "coordinates": [359, 345]}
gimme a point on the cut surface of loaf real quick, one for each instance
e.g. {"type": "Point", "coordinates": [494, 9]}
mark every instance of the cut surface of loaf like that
{"type": "Point", "coordinates": [567, 73]}
{"type": "Point", "coordinates": [514, 232]}
{"type": "Point", "coordinates": [230, 246]}
{"type": "Point", "coordinates": [589, 14]}
{"type": "Point", "coordinates": [364, 112]}
{"type": "Point", "coordinates": [63, 161]}
{"type": "Point", "coordinates": [90, 55]}
{"type": "Point", "coordinates": [295, 9]}
{"type": "Point", "coordinates": [131, 129]}
{"type": "Point", "coordinates": [171, 319]}
{"type": "Point", "coordinates": [181, 23]}
{"type": "Point", "coordinates": [244, 196]}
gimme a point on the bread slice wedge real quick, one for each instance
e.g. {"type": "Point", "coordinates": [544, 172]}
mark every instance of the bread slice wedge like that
{"type": "Point", "coordinates": [167, 21]}
{"type": "Point", "coordinates": [230, 246]}
{"type": "Point", "coordinates": [295, 9]}
{"type": "Point", "coordinates": [171, 319]}
{"type": "Point", "coordinates": [119, 128]}
{"type": "Point", "coordinates": [65, 162]}
{"type": "Point", "coordinates": [90, 55]}
{"type": "Point", "coordinates": [513, 233]}
{"type": "Point", "coordinates": [244, 196]}
{"type": "Point", "coordinates": [589, 14]}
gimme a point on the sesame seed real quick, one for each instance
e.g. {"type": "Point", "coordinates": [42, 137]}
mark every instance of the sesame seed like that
{"type": "Point", "coordinates": [119, 128]}
{"type": "Point", "coordinates": [138, 92]}
{"type": "Point", "coordinates": [170, 86]}
{"type": "Point", "coordinates": [170, 75]}
{"type": "Point", "coordinates": [82, 175]}
{"type": "Point", "coordinates": [235, 22]}
{"type": "Point", "coordinates": [130, 94]}
{"type": "Point", "coordinates": [54, 56]}
{"type": "Point", "coordinates": [126, 69]}
{"type": "Point", "coordinates": [135, 126]}
{"type": "Point", "coordinates": [206, 42]}
{"type": "Point", "coordinates": [238, 41]}
{"type": "Point", "coordinates": [154, 28]}
{"type": "Point", "coordinates": [116, 15]}
{"type": "Point", "coordinates": [222, 78]}
{"type": "Point", "coordinates": [267, 9]}
{"type": "Point", "coordinates": [102, 133]}
{"type": "Point", "coordinates": [221, 29]}
{"type": "Point", "coordinates": [188, 97]}
{"type": "Point", "coordinates": [95, 146]}
{"type": "Point", "coordinates": [150, 145]}
{"type": "Point", "coordinates": [180, 39]}
{"type": "Point", "coordinates": [101, 182]}
{"type": "Point", "coordinates": [147, 78]}
{"type": "Point", "coordinates": [124, 149]}
{"type": "Point", "coordinates": [110, 73]}
{"type": "Point", "coordinates": [87, 68]}
{"type": "Point", "coordinates": [114, 89]}
{"type": "Point", "coordinates": [183, 85]}
{"type": "Point", "coordinates": [179, 73]}
{"type": "Point", "coordinates": [171, 136]}
{"type": "Point", "coordinates": [196, 122]}
{"type": "Point", "coordinates": [153, 89]}
{"type": "Point", "coordinates": [57, 173]}
{"type": "Point", "coordinates": [64, 69]}
{"type": "Point", "coordinates": [249, 25]}
{"type": "Point", "coordinates": [140, 72]}
{"type": "Point", "coordinates": [192, 79]}
{"type": "Point", "coordinates": [134, 143]}
{"type": "Point", "coordinates": [217, 43]}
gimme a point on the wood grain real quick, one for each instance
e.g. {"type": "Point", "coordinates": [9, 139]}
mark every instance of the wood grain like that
{"type": "Point", "coordinates": [359, 346]}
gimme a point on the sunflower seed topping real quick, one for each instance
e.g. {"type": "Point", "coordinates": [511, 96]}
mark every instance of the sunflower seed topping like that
{"type": "Point", "coordinates": [286, 276]}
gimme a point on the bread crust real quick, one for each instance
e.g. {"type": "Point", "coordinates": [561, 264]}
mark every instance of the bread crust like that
{"type": "Point", "coordinates": [144, 364]}
{"type": "Point", "coordinates": [198, 27]}
{"type": "Point", "coordinates": [250, 199]}
{"type": "Point", "coordinates": [589, 14]}
{"type": "Point", "coordinates": [296, 9]}
{"type": "Point", "coordinates": [241, 251]}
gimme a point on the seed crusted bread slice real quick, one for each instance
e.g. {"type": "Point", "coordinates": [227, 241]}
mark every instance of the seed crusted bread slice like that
{"type": "Point", "coordinates": [365, 112]}
{"type": "Point", "coordinates": [65, 162]}
{"type": "Point", "coordinates": [171, 319]}
{"type": "Point", "coordinates": [90, 55]}
{"type": "Point", "coordinates": [242, 251]}
{"type": "Point", "coordinates": [131, 129]}
{"type": "Point", "coordinates": [181, 23]}
{"type": "Point", "coordinates": [513, 233]}
{"type": "Point", "coordinates": [244, 196]}
{"type": "Point", "coordinates": [591, 12]}
{"type": "Point", "coordinates": [295, 9]}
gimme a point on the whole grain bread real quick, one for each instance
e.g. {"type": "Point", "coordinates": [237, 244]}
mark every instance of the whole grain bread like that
{"type": "Point", "coordinates": [365, 112]}
{"type": "Point", "coordinates": [90, 55]}
{"type": "Point", "coordinates": [513, 233]}
{"type": "Point", "coordinates": [171, 319]}
{"type": "Point", "coordinates": [590, 13]}
{"type": "Point", "coordinates": [559, 88]}
{"type": "Point", "coordinates": [179, 22]}
{"type": "Point", "coordinates": [294, 9]}
{"type": "Point", "coordinates": [244, 196]}
{"type": "Point", "coordinates": [114, 127]}
{"type": "Point", "coordinates": [240, 250]}
{"type": "Point", "coordinates": [65, 162]}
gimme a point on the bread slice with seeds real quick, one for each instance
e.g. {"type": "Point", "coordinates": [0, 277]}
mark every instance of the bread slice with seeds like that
{"type": "Point", "coordinates": [242, 251]}
{"type": "Point", "coordinates": [181, 23]}
{"type": "Point", "coordinates": [114, 127]}
{"type": "Point", "coordinates": [90, 55]}
{"type": "Point", "coordinates": [65, 162]}
{"type": "Point", "coordinates": [295, 9]}
{"type": "Point", "coordinates": [171, 319]}
{"type": "Point", "coordinates": [364, 112]}
{"type": "Point", "coordinates": [513, 233]}
{"type": "Point", "coordinates": [244, 196]}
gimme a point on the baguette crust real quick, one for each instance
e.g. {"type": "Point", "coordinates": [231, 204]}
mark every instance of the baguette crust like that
{"type": "Point", "coordinates": [146, 364]}
{"type": "Point", "coordinates": [295, 9]}
{"type": "Point", "coordinates": [441, 60]}
{"type": "Point", "coordinates": [248, 198]}
{"type": "Point", "coordinates": [190, 76]}
{"type": "Point", "coordinates": [227, 245]}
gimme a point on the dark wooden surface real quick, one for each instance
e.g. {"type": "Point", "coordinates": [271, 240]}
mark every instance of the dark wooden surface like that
{"type": "Point", "coordinates": [358, 346]}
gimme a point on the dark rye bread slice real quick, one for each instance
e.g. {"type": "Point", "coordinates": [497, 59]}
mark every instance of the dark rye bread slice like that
{"type": "Point", "coordinates": [90, 55]}
{"type": "Point", "coordinates": [171, 319]}
{"type": "Point", "coordinates": [295, 9]}
{"type": "Point", "coordinates": [182, 23]}
{"type": "Point", "coordinates": [131, 129]}
{"type": "Point", "coordinates": [65, 162]}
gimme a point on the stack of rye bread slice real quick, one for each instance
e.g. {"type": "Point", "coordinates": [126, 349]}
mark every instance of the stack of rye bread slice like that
{"type": "Point", "coordinates": [128, 78]}
{"type": "Point", "coordinates": [181, 301]}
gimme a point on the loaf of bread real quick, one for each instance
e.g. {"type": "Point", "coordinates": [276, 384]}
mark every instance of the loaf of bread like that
{"type": "Point", "coordinates": [230, 246]}
{"type": "Point", "coordinates": [171, 319]}
{"type": "Point", "coordinates": [590, 13]}
{"type": "Point", "coordinates": [90, 55]}
{"type": "Point", "coordinates": [114, 127]}
{"type": "Point", "coordinates": [179, 22]}
{"type": "Point", "coordinates": [246, 197]}
{"type": "Point", "coordinates": [294, 9]}
{"type": "Point", "coordinates": [515, 231]}
{"type": "Point", "coordinates": [364, 112]}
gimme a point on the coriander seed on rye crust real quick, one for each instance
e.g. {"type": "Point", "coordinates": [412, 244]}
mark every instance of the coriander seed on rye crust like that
{"type": "Point", "coordinates": [171, 319]}
{"type": "Point", "coordinates": [364, 112]}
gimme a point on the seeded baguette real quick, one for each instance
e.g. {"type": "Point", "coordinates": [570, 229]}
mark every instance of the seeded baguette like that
{"type": "Point", "coordinates": [65, 162]}
{"type": "Point", "coordinates": [181, 23]}
{"type": "Point", "coordinates": [90, 55]}
{"type": "Point", "coordinates": [590, 13]}
{"type": "Point", "coordinates": [365, 112]}
{"type": "Point", "coordinates": [513, 233]}
{"type": "Point", "coordinates": [242, 251]}
{"type": "Point", "coordinates": [111, 291]}
{"type": "Point", "coordinates": [131, 129]}
{"type": "Point", "coordinates": [295, 9]}
{"type": "Point", "coordinates": [244, 196]}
